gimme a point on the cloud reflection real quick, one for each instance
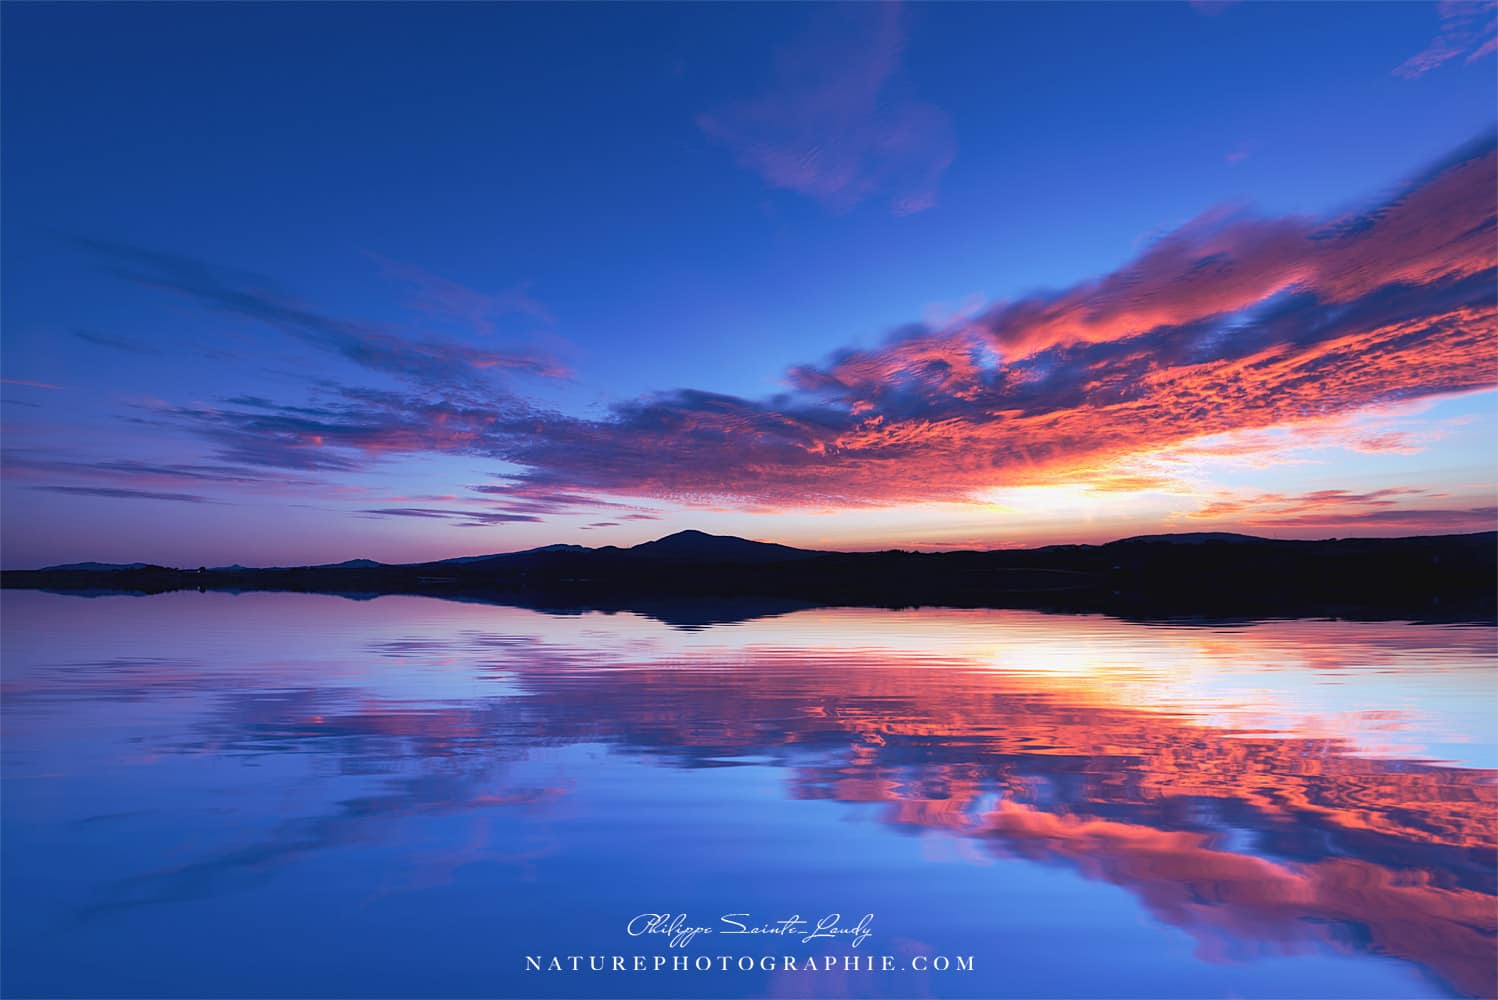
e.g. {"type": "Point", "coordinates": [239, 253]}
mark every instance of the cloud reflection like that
{"type": "Point", "coordinates": [1260, 827]}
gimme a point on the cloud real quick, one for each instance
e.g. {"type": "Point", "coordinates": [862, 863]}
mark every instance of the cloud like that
{"type": "Point", "coordinates": [1418, 520]}
{"type": "Point", "coordinates": [1468, 28]}
{"type": "Point", "coordinates": [125, 344]}
{"type": "Point", "coordinates": [1319, 500]}
{"type": "Point", "coordinates": [1438, 227]}
{"type": "Point", "coordinates": [479, 310]}
{"type": "Point", "coordinates": [1395, 507]}
{"type": "Point", "coordinates": [836, 122]}
{"type": "Point", "coordinates": [123, 494]}
{"type": "Point", "coordinates": [30, 384]}
{"type": "Point", "coordinates": [147, 477]}
{"type": "Point", "coordinates": [347, 428]}
{"type": "Point", "coordinates": [538, 500]}
{"type": "Point", "coordinates": [434, 364]}
{"type": "Point", "coordinates": [1232, 324]}
{"type": "Point", "coordinates": [464, 518]}
{"type": "Point", "coordinates": [1239, 324]}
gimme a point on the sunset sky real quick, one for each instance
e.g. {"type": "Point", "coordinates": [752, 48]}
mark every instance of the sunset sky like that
{"type": "Point", "coordinates": [293, 284]}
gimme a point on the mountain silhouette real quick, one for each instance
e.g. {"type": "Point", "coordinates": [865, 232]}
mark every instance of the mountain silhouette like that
{"type": "Point", "coordinates": [692, 577]}
{"type": "Point", "coordinates": [1193, 538]}
{"type": "Point", "coordinates": [699, 546]}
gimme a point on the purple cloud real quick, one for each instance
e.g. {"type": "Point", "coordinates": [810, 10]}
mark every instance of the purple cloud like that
{"type": "Point", "coordinates": [463, 518]}
{"type": "Point", "coordinates": [836, 123]}
{"type": "Point", "coordinates": [125, 344]}
{"type": "Point", "coordinates": [1468, 28]}
{"type": "Point", "coordinates": [123, 494]}
{"type": "Point", "coordinates": [478, 310]}
{"type": "Point", "coordinates": [444, 364]}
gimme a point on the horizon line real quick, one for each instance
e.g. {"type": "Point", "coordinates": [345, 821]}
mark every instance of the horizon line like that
{"type": "Point", "coordinates": [929, 550]}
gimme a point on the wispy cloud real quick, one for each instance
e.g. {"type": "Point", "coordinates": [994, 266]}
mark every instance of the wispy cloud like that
{"type": "Point", "coordinates": [435, 364]}
{"type": "Point", "coordinates": [114, 493]}
{"type": "Point", "coordinates": [126, 344]}
{"type": "Point", "coordinates": [463, 518]}
{"type": "Point", "coordinates": [837, 122]}
{"type": "Point", "coordinates": [346, 431]}
{"type": "Point", "coordinates": [1274, 504]}
{"type": "Point", "coordinates": [1405, 508]}
{"type": "Point", "coordinates": [1469, 31]}
{"type": "Point", "coordinates": [478, 310]}
{"type": "Point", "coordinates": [139, 476]}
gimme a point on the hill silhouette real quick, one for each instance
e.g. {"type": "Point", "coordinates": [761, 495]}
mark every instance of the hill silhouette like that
{"type": "Point", "coordinates": [699, 546]}
{"type": "Point", "coordinates": [704, 577]}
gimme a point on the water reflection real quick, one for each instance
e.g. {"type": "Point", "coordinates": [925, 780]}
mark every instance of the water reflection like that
{"type": "Point", "coordinates": [1283, 790]}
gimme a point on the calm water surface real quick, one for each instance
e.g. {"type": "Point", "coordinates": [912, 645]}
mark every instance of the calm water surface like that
{"type": "Point", "coordinates": [288, 795]}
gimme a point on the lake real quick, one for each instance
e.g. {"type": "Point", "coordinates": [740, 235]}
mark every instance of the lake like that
{"type": "Point", "coordinates": [285, 795]}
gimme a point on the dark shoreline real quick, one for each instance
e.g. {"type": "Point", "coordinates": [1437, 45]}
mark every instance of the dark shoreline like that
{"type": "Point", "coordinates": [693, 579]}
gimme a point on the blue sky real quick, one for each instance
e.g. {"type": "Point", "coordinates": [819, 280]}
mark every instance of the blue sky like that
{"type": "Point", "coordinates": [649, 197]}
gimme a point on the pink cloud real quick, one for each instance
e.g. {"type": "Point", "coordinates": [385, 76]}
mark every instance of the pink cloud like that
{"type": "Point", "coordinates": [1437, 228]}
{"type": "Point", "coordinates": [1468, 28]}
{"type": "Point", "coordinates": [30, 384]}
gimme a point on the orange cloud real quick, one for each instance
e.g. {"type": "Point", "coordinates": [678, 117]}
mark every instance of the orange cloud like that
{"type": "Point", "coordinates": [1230, 325]}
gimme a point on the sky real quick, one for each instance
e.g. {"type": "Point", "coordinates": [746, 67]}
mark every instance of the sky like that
{"type": "Point", "coordinates": [289, 284]}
